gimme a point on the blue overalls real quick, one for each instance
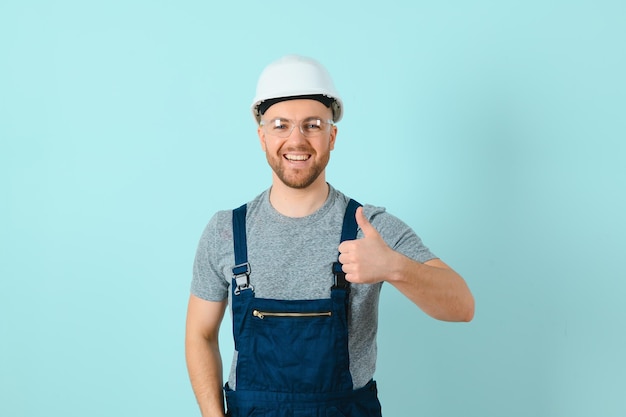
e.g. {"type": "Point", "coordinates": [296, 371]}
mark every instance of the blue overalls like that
{"type": "Point", "coordinates": [293, 354]}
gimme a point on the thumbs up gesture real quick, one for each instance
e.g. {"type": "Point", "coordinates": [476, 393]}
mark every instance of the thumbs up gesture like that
{"type": "Point", "coordinates": [367, 260]}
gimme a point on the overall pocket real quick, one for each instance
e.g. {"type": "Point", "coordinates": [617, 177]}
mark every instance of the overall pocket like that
{"type": "Point", "coordinates": [293, 346]}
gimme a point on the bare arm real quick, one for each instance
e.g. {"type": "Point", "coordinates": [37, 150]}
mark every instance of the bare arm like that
{"type": "Point", "coordinates": [204, 362]}
{"type": "Point", "coordinates": [433, 286]}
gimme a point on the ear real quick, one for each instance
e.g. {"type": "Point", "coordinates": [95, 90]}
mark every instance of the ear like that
{"type": "Point", "coordinates": [261, 135]}
{"type": "Point", "coordinates": [333, 136]}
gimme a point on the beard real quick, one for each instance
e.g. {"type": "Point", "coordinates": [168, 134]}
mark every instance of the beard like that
{"type": "Point", "coordinates": [298, 178]}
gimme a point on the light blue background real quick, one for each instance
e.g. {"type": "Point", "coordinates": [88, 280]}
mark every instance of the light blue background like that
{"type": "Point", "coordinates": [496, 129]}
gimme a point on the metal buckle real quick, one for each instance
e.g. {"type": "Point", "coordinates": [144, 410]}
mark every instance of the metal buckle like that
{"type": "Point", "coordinates": [241, 275]}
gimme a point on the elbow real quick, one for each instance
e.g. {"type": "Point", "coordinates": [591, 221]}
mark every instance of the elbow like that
{"type": "Point", "coordinates": [469, 316]}
{"type": "Point", "coordinates": [465, 305]}
{"type": "Point", "coordinates": [467, 313]}
{"type": "Point", "coordinates": [462, 311]}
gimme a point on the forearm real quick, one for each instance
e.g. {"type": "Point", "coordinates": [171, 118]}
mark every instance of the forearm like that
{"type": "Point", "coordinates": [204, 364]}
{"type": "Point", "coordinates": [434, 287]}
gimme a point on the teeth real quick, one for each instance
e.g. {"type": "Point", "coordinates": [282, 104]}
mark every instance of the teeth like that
{"type": "Point", "coordinates": [297, 157]}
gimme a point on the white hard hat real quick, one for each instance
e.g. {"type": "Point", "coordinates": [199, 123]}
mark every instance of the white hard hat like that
{"type": "Point", "coordinates": [295, 76]}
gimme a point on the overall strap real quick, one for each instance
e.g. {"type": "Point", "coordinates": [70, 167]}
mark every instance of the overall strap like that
{"type": "Point", "coordinates": [241, 270]}
{"type": "Point", "coordinates": [348, 232]}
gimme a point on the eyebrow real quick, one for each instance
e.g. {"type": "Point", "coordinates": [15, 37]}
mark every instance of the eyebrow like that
{"type": "Point", "coordinates": [302, 120]}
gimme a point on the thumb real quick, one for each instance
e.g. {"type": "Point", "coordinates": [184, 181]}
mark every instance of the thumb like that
{"type": "Point", "coordinates": [364, 224]}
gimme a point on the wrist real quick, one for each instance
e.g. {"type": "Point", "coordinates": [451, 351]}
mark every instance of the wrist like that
{"type": "Point", "coordinates": [398, 268]}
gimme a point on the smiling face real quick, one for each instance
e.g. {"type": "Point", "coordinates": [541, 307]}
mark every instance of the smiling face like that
{"type": "Point", "coordinates": [298, 161]}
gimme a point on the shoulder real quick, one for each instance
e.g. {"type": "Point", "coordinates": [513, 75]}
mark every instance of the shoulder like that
{"type": "Point", "coordinates": [378, 215]}
{"type": "Point", "coordinates": [391, 228]}
{"type": "Point", "coordinates": [224, 218]}
{"type": "Point", "coordinates": [219, 228]}
{"type": "Point", "coordinates": [397, 234]}
{"type": "Point", "coordinates": [386, 223]}
{"type": "Point", "coordinates": [220, 225]}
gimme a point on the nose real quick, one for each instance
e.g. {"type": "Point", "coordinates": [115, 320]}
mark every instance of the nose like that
{"type": "Point", "coordinates": [297, 133]}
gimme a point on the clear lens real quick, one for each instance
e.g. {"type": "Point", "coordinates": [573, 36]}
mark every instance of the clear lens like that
{"type": "Point", "coordinates": [309, 127]}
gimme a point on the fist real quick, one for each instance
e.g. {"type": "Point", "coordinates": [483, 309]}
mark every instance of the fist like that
{"type": "Point", "coordinates": [365, 260]}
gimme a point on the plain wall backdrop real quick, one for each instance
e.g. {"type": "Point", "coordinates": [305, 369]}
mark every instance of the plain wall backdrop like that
{"type": "Point", "coordinates": [496, 129]}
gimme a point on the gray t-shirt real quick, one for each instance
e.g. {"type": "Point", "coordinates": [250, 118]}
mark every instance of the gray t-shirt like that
{"type": "Point", "coordinates": [291, 259]}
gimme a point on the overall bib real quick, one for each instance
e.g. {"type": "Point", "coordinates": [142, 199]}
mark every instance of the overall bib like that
{"type": "Point", "coordinates": [293, 354]}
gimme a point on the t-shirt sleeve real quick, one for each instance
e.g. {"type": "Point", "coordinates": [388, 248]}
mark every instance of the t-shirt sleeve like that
{"type": "Point", "coordinates": [209, 281]}
{"type": "Point", "coordinates": [398, 235]}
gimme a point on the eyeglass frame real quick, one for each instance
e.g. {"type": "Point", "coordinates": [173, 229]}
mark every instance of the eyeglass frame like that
{"type": "Point", "coordinates": [300, 123]}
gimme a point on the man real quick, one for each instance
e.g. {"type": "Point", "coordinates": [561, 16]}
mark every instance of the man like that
{"type": "Point", "coordinates": [302, 285]}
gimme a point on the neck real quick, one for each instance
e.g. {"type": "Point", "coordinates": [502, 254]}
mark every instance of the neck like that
{"type": "Point", "coordinates": [293, 202]}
